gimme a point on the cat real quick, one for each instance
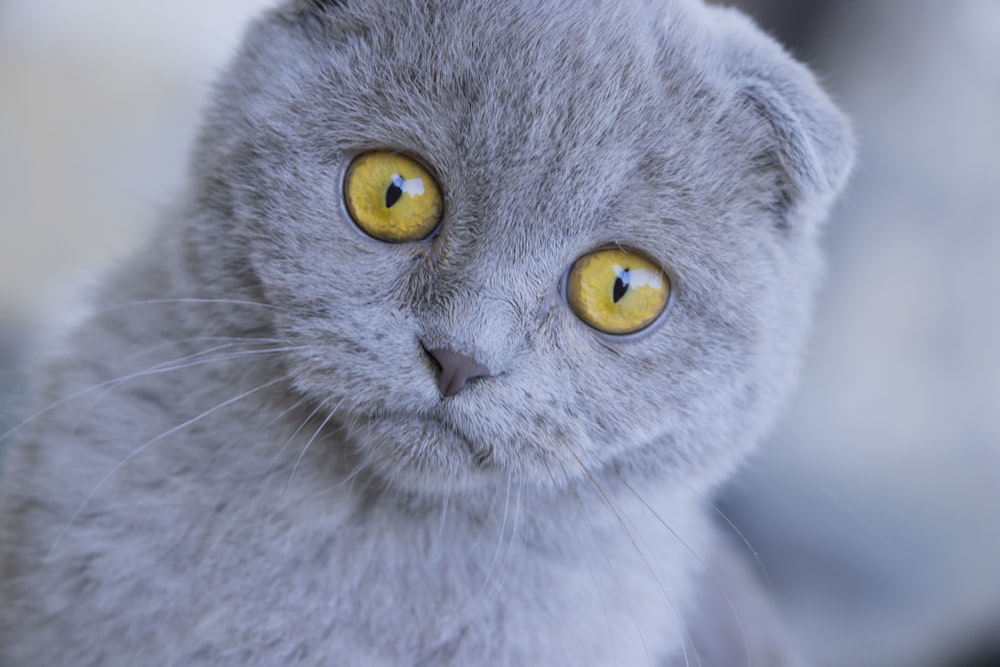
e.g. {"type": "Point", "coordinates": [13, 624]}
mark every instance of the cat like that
{"type": "Point", "coordinates": [467, 309]}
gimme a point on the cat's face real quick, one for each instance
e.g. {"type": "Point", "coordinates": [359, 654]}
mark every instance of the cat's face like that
{"type": "Point", "coordinates": [551, 133]}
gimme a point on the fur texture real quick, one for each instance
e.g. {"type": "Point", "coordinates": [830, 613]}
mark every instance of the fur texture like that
{"type": "Point", "coordinates": [242, 458]}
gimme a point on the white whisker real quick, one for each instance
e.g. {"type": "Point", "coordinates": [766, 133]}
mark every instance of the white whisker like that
{"type": "Point", "coordinates": [590, 569]}
{"type": "Point", "coordinates": [482, 529]}
{"type": "Point", "coordinates": [642, 557]}
{"type": "Point", "coordinates": [898, 552]}
{"type": "Point", "coordinates": [503, 528]}
{"type": "Point", "coordinates": [444, 510]}
{"type": "Point", "coordinates": [349, 478]}
{"type": "Point", "coordinates": [290, 409]}
{"type": "Point", "coordinates": [219, 339]}
{"type": "Point", "coordinates": [163, 367]}
{"type": "Point", "coordinates": [750, 547]}
{"type": "Point", "coordinates": [269, 470]}
{"type": "Point", "coordinates": [167, 367]}
{"type": "Point", "coordinates": [614, 575]}
{"type": "Point", "coordinates": [302, 454]}
{"type": "Point", "coordinates": [143, 447]}
{"type": "Point", "coordinates": [701, 561]}
{"type": "Point", "coordinates": [160, 302]}
{"type": "Point", "coordinates": [505, 569]}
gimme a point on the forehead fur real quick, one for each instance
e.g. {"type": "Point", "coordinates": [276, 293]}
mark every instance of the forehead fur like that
{"type": "Point", "coordinates": [571, 106]}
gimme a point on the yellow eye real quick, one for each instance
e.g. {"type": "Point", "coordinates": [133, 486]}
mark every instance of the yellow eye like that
{"type": "Point", "coordinates": [392, 197]}
{"type": "Point", "coordinates": [617, 292]}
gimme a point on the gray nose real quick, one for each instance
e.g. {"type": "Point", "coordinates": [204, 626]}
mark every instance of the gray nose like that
{"type": "Point", "coordinates": [454, 370]}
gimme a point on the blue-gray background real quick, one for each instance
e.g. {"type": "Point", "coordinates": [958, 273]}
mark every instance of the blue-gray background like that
{"type": "Point", "coordinates": [876, 505]}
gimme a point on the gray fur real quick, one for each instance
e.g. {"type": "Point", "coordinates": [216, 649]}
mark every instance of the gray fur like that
{"type": "Point", "coordinates": [333, 509]}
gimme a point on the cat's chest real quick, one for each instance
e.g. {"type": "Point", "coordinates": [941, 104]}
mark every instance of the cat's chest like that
{"type": "Point", "coordinates": [373, 583]}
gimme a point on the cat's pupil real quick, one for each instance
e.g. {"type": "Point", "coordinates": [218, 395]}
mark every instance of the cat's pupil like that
{"type": "Point", "coordinates": [621, 286]}
{"type": "Point", "coordinates": [394, 191]}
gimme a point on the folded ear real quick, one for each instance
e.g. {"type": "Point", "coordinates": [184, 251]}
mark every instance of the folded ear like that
{"type": "Point", "coordinates": [807, 136]}
{"type": "Point", "coordinates": [313, 7]}
{"type": "Point", "coordinates": [315, 4]}
{"type": "Point", "coordinates": [813, 142]}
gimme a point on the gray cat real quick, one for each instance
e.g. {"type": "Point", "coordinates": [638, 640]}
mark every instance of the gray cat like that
{"type": "Point", "coordinates": [468, 308]}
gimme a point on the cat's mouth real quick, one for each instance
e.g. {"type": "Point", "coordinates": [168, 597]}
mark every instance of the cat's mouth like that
{"type": "Point", "coordinates": [449, 429]}
{"type": "Point", "coordinates": [448, 445]}
{"type": "Point", "coordinates": [425, 442]}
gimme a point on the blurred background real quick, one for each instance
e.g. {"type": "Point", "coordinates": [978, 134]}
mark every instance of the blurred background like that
{"type": "Point", "coordinates": [875, 508]}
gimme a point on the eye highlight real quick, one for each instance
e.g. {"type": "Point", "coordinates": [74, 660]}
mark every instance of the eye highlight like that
{"type": "Point", "coordinates": [392, 197]}
{"type": "Point", "coordinates": [616, 291]}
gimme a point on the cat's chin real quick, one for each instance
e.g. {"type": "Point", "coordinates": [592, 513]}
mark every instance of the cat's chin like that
{"type": "Point", "coordinates": [418, 454]}
{"type": "Point", "coordinates": [429, 455]}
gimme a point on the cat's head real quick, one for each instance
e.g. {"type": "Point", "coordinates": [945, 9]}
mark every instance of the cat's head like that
{"type": "Point", "coordinates": [601, 215]}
